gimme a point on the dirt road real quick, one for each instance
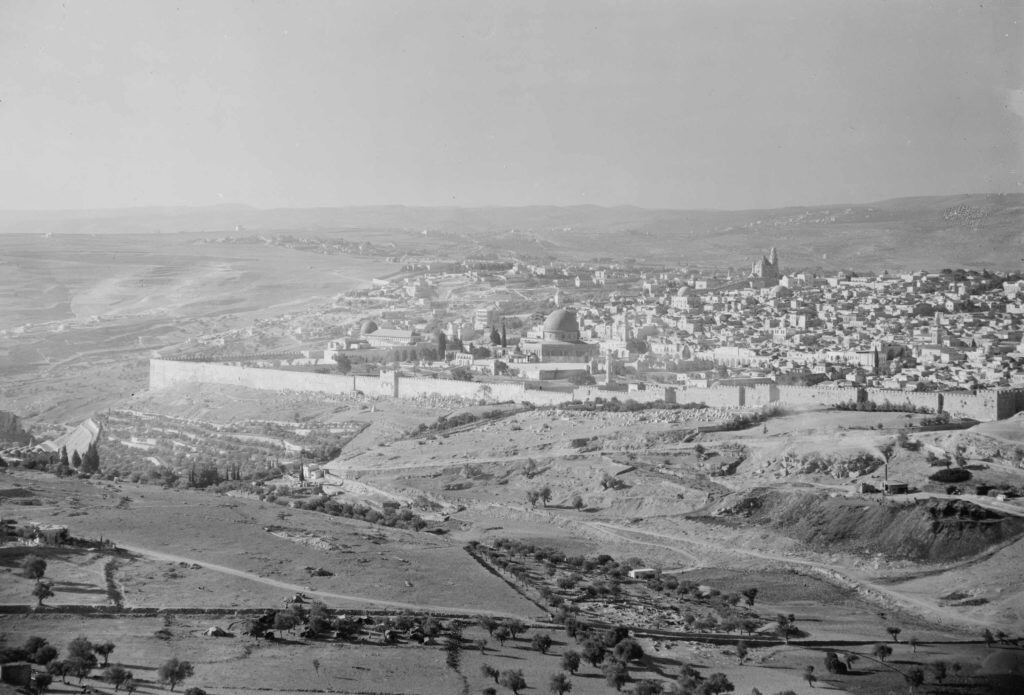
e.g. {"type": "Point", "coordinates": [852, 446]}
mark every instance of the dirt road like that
{"type": "Point", "coordinates": [871, 589]}
{"type": "Point", "coordinates": [290, 588]}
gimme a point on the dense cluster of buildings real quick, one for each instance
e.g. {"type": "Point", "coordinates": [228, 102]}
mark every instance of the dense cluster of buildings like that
{"type": "Point", "coordinates": [915, 331]}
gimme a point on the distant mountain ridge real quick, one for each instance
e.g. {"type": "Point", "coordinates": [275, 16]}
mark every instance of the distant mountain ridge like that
{"type": "Point", "coordinates": [962, 230]}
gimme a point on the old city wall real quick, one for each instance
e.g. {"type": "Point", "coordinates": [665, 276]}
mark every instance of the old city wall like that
{"type": "Point", "coordinates": [652, 394]}
{"type": "Point", "coordinates": [538, 397]}
{"type": "Point", "coordinates": [1012, 403]}
{"type": "Point", "coordinates": [812, 395]}
{"type": "Point", "coordinates": [994, 404]}
{"type": "Point", "coordinates": [412, 387]}
{"type": "Point", "coordinates": [369, 385]}
{"type": "Point", "coordinates": [760, 395]}
{"type": "Point", "coordinates": [164, 373]}
{"type": "Point", "coordinates": [715, 396]}
{"type": "Point", "coordinates": [930, 401]}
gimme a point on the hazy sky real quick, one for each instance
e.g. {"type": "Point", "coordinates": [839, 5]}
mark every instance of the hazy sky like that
{"type": "Point", "coordinates": [689, 104]}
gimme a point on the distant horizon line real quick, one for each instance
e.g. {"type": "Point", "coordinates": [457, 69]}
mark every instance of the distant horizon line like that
{"type": "Point", "coordinates": [156, 207]}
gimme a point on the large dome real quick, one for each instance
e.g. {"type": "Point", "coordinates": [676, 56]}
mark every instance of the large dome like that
{"type": "Point", "coordinates": [561, 321]}
{"type": "Point", "coordinates": [367, 327]}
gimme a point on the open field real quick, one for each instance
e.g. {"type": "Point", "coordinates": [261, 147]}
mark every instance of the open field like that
{"type": "Point", "coordinates": [244, 664]}
{"type": "Point", "coordinates": [163, 528]}
{"type": "Point", "coordinates": [646, 494]}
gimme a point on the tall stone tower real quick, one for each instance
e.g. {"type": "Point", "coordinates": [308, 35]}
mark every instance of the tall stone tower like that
{"type": "Point", "coordinates": [608, 368]}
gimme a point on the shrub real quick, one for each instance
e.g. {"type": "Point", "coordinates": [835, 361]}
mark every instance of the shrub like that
{"type": "Point", "coordinates": [950, 475]}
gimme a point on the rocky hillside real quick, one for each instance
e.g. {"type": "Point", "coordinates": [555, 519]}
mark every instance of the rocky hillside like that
{"type": "Point", "coordinates": [922, 530]}
{"type": "Point", "coordinates": [11, 431]}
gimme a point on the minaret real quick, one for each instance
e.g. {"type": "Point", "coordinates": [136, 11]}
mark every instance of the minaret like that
{"type": "Point", "coordinates": [939, 333]}
{"type": "Point", "coordinates": [608, 368]}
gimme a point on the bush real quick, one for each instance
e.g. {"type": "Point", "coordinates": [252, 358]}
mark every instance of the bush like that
{"type": "Point", "coordinates": [950, 475]}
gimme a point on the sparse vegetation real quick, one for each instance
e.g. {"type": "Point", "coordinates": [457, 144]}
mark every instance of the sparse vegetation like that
{"type": "Point", "coordinates": [173, 672]}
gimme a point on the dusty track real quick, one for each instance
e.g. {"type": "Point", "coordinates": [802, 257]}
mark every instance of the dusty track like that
{"type": "Point", "coordinates": [871, 590]}
{"type": "Point", "coordinates": [298, 588]}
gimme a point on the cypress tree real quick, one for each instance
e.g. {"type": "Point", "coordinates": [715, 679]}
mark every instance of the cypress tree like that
{"type": "Point", "coordinates": [91, 460]}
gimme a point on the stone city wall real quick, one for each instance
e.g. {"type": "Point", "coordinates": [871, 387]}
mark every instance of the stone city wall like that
{"type": "Point", "coordinates": [412, 387]}
{"type": "Point", "coordinates": [715, 396]}
{"type": "Point", "coordinates": [163, 373]}
{"type": "Point", "coordinates": [651, 394]}
{"type": "Point", "coordinates": [993, 404]}
{"type": "Point", "coordinates": [760, 395]}
{"type": "Point", "coordinates": [539, 397]}
{"type": "Point", "coordinates": [930, 401]}
{"type": "Point", "coordinates": [813, 395]}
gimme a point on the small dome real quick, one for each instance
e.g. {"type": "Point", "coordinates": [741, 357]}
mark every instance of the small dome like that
{"type": "Point", "coordinates": [367, 327]}
{"type": "Point", "coordinates": [561, 321]}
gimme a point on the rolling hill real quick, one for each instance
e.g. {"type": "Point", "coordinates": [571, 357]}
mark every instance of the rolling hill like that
{"type": "Point", "coordinates": [903, 233]}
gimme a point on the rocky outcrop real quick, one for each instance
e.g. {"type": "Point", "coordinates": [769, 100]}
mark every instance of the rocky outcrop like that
{"type": "Point", "coordinates": [933, 530]}
{"type": "Point", "coordinates": [11, 431]}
